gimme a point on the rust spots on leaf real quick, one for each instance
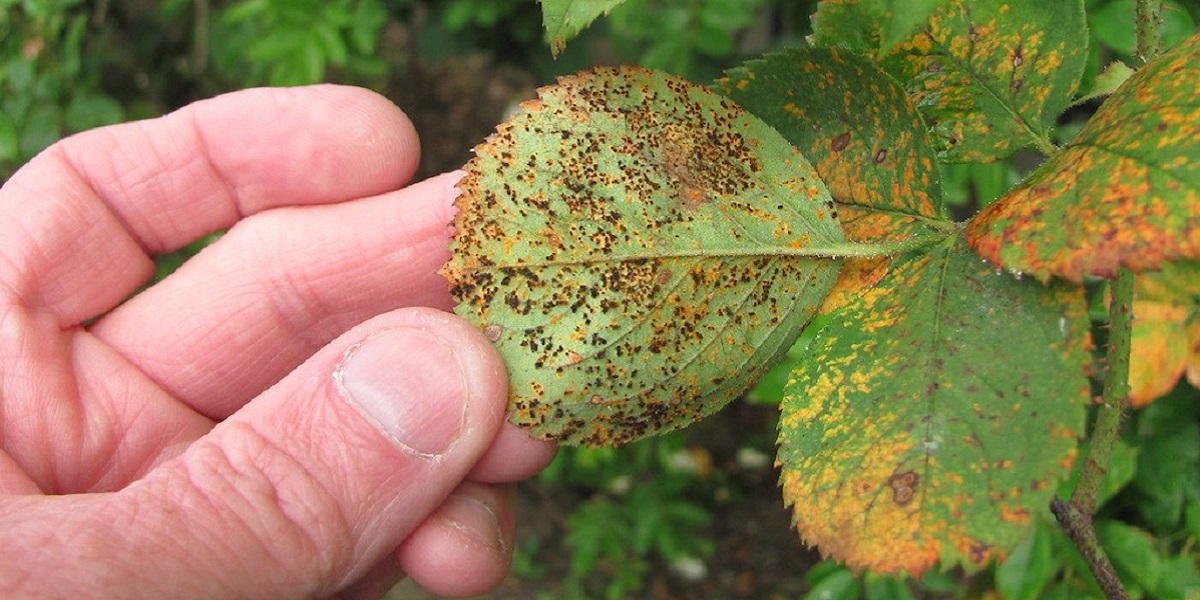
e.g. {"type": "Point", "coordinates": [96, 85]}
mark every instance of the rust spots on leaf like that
{"type": "Point", "coordinates": [634, 236]}
{"type": "Point", "coordinates": [839, 143]}
{"type": "Point", "coordinates": [986, 82]}
{"type": "Point", "coordinates": [908, 438]}
{"type": "Point", "coordinates": [883, 177]}
{"type": "Point", "coordinates": [493, 332]}
{"type": "Point", "coordinates": [904, 486]}
{"type": "Point", "coordinates": [1126, 192]}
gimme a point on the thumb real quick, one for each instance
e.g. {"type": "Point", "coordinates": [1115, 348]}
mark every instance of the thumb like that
{"type": "Point", "coordinates": [311, 484]}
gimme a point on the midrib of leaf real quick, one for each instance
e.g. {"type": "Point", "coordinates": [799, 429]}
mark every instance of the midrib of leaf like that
{"type": "Point", "coordinates": [845, 250]}
{"type": "Point", "coordinates": [937, 336]}
{"type": "Point", "coordinates": [940, 282]}
{"type": "Point", "coordinates": [1042, 143]}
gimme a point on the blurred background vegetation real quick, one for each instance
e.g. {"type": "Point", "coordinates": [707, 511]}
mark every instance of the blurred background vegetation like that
{"type": "Point", "coordinates": [690, 515]}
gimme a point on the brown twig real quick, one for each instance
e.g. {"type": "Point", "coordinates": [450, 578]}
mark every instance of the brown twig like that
{"type": "Point", "coordinates": [1078, 526]}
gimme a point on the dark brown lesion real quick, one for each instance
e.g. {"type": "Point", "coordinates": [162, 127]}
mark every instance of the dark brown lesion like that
{"type": "Point", "coordinates": [840, 142]}
{"type": "Point", "coordinates": [704, 161]}
{"type": "Point", "coordinates": [904, 486]}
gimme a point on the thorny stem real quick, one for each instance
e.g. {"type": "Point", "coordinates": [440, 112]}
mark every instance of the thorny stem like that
{"type": "Point", "coordinates": [1149, 29]}
{"type": "Point", "coordinates": [1076, 515]}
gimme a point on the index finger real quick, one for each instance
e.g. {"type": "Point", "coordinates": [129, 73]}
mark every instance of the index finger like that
{"type": "Point", "coordinates": [82, 219]}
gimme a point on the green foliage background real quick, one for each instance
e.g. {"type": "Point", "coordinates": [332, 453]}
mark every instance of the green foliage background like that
{"type": "Point", "coordinates": [70, 65]}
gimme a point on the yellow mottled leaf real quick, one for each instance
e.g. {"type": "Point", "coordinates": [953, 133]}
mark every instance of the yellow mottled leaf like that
{"type": "Point", "coordinates": [862, 133]}
{"type": "Point", "coordinates": [1126, 192]}
{"type": "Point", "coordinates": [1159, 350]}
{"type": "Point", "coordinates": [932, 418]}
{"type": "Point", "coordinates": [1166, 331]}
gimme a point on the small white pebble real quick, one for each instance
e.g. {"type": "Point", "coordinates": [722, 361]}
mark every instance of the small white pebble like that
{"type": "Point", "coordinates": [751, 458]}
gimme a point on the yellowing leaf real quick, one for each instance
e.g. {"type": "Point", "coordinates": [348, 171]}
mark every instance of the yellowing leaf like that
{"type": "Point", "coordinates": [640, 250]}
{"type": "Point", "coordinates": [931, 419]}
{"type": "Point", "coordinates": [1159, 350]}
{"type": "Point", "coordinates": [863, 135]}
{"type": "Point", "coordinates": [989, 77]}
{"type": "Point", "coordinates": [1166, 331]}
{"type": "Point", "coordinates": [1125, 192]}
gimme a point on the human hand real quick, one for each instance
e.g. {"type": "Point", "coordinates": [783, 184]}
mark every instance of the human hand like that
{"type": "Point", "coordinates": [277, 419]}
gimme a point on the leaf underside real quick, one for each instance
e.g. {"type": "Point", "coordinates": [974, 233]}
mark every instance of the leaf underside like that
{"type": "Point", "coordinates": [1126, 192]}
{"type": "Point", "coordinates": [640, 250]}
{"type": "Point", "coordinates": [932, 418]}
{"type": "Point", "coordinates": [989, 77]}
{"type": "Point", "coordinates": [863, 135]}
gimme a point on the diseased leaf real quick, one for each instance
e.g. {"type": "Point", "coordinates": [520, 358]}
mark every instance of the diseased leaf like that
{"type": "Point", "coordinates": [931, 419]}
{"type": "Point", "coordinates": [864, 137]}
{"type": "Point", "coordinates": [1159, 350]}
{"type": "Point", "coordinates": [564, 19]}
{"type": "Point", "coordinates": [904, 18]}
{"type": "Point", "coordinates": [1125, 192]}
{"type": "Point", "coordinates": [854, 25]}
{"type": "Point", "coordinates": [641, 250]}
{"type": "Point", "coordinates": [873, 26]}
{"type": "Point", "coordinates": [1166, 331]}
{"type": "Point", "coordinates": [989, 77]}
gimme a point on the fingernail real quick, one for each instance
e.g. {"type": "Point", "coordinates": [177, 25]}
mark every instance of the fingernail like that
{"type": "Point", "coordinates": [474, 518]}
{"type": "Point", "coordinates": [408, 382]}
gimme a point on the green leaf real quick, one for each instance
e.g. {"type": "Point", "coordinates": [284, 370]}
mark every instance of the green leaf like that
{"type": "Point", "coordinates": [989, 77]}
{"type": "Point", "coordinates": [640, 250]}
{"type": "Point", "coordinates": [1107, 82]}
{"type": "Point", "coordinates": [1125, 192]}
{"type": "Point", "coordinates": [42, 126]}
{"type": "Point", "coordinates": [328, 39]}
{"type": "Point", "coordinates": [87, 110]}
{"type": "Point", "coordinates": [564, 19]}
{"type": "Point", "coordinates": [865, 139]}
{"type": "Point", "coordinates": [882, 587]}
{"type": "Point", "coordinates": [1180, 577]}
{"type": "Point", "coordinates": [10, 143]}
{"type": "Point", "coordinates": [1132, 553]}
{"type": "Point", "coordinates": [1168, 465]}
{"type": "Point", "coordinates": [872, 26]}
{"type": "Point", "coordinates": [838, 585]}
{"type": "Point", "coordinates": [934, 415]}
{"type": "Point", "coordinates": [1028, 569]}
